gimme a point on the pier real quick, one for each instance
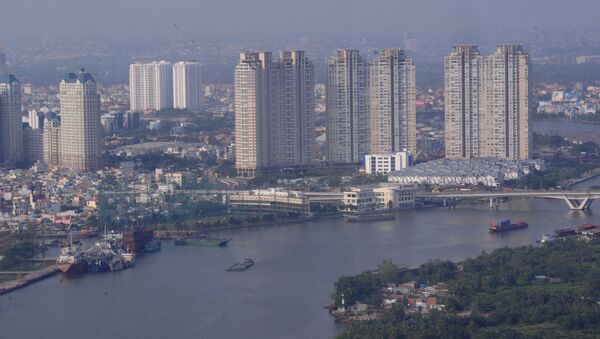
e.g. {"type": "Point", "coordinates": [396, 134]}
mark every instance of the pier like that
{"type": "Point", "coordinates": [28, 278]}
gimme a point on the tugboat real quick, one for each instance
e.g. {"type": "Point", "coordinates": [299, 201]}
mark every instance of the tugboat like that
{"type": "Point", "coordinates": [241, 266]}
{"type": "Point", "coordinates": [506, 225]}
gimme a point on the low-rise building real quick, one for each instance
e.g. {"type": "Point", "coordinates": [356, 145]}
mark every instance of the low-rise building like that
{"type": "Point", "coordinates": [271, 200]}
{"type": "Point", "coordinates": [365, 199]}
{"type": "Point", "coordinates": [181, 179]}
{"type": "Point", "coordinates": [385, 163]}
{"type": "Point", "coordinates": [395, 196]}
{"type": "Point", "coordinates": [445, 172]}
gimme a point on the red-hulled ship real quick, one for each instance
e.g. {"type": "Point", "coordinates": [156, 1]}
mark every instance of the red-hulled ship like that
{"type": "Point", "coordinates": [506, 225]}
{"type": "Point", "coordinates": [71, 260]}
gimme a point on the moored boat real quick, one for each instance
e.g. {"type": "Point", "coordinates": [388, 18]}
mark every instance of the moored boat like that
{"type": "Point", "coordinates": [137, 239]}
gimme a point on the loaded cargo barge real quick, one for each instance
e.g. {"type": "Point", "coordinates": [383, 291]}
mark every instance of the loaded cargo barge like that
{"type": "Point", "coordinates": [241, 266]}
{"type": "Point", "coordinates": [506, 225]}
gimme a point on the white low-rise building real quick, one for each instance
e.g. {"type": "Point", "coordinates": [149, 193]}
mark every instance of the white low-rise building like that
{"type": "Point", "coordinates": [385, 163]}
{"type": "Point", "coordinates": [487, 172]}
{"type": "Point", "coordinates": [271, 200]}
{"type": "Point", "coordinates": [365, 199]}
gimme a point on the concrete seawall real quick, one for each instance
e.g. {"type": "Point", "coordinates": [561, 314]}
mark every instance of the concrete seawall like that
{"type": "Point", "coordinates": [27, 279]}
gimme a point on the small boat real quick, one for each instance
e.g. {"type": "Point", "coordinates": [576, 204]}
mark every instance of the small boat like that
{"type": "Point", "coordinates": [241, 266]}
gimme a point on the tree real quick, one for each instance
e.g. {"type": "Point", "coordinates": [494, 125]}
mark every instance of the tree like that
{"type": "Point", "coordinates": [389, 271]}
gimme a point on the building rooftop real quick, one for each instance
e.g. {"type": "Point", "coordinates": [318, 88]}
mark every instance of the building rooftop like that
{"type": "Point", "coordinates": [7, 79]}
{"type": "Point", "coordinates": [82, 77]}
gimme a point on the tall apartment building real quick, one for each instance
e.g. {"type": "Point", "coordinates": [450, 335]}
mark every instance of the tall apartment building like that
{"type": "Point", "coordinates": [51, 138]}
{"type": "Point", "coordinates": [150, 85]}
{"type": "Point", "coordinates": [11, 130]}
{"type": "Point", "coordinates": [391, 110]}
{"type": "Point", "coordinates": [273, 111]}
{"type": "Point", "coordinates": [187, 86]}
{"type": "Point", "coordinates": [292, 137]}
{"type": "Point", "coordinates": [487, 103]}
{"type": "Point", "coordinates": [252, 106]}
{"type": "Point", "coordinates": [346, 95]}
{"type": "Point", "coordinates": [507, 103]}
{"type": "Point", "coordinates": [463, 85]}
{"type": "Point", "coordinates": [80, 130]}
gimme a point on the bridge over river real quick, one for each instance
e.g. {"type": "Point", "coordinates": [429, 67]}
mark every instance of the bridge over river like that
{"type": "Point", "coordinates": [575, 200]}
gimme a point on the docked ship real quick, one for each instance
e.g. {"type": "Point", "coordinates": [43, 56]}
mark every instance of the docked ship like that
{"type": "Point", "coordinates": [117, 262]}
{"type": "Point", "coordinates": [137, 239]}
{"type": "Point", "coordinates": [560, 234]}
{"type": "Point", "coordinates": [71, 260]}
{"type": "Point", "coordinates": [99, 257]}
{"type": "Point", "coordinates": [506, 225]}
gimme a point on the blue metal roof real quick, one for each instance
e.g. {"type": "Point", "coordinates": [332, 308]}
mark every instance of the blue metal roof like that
{"type": "Point", "coordinates": [81, 77]}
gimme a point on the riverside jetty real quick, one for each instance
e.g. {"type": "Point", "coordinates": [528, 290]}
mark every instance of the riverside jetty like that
{"type": "Point", "coordinates": [27, 279]}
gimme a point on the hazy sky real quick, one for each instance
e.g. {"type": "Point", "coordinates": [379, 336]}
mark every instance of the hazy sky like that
{"type": "Point", "coordinates": [126, 20]}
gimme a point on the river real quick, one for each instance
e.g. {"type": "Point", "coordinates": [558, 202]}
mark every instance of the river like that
{"type": "Point", "coordinates": [185, 292]}
{"type": "Point", "coordinates": [575, 131]}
